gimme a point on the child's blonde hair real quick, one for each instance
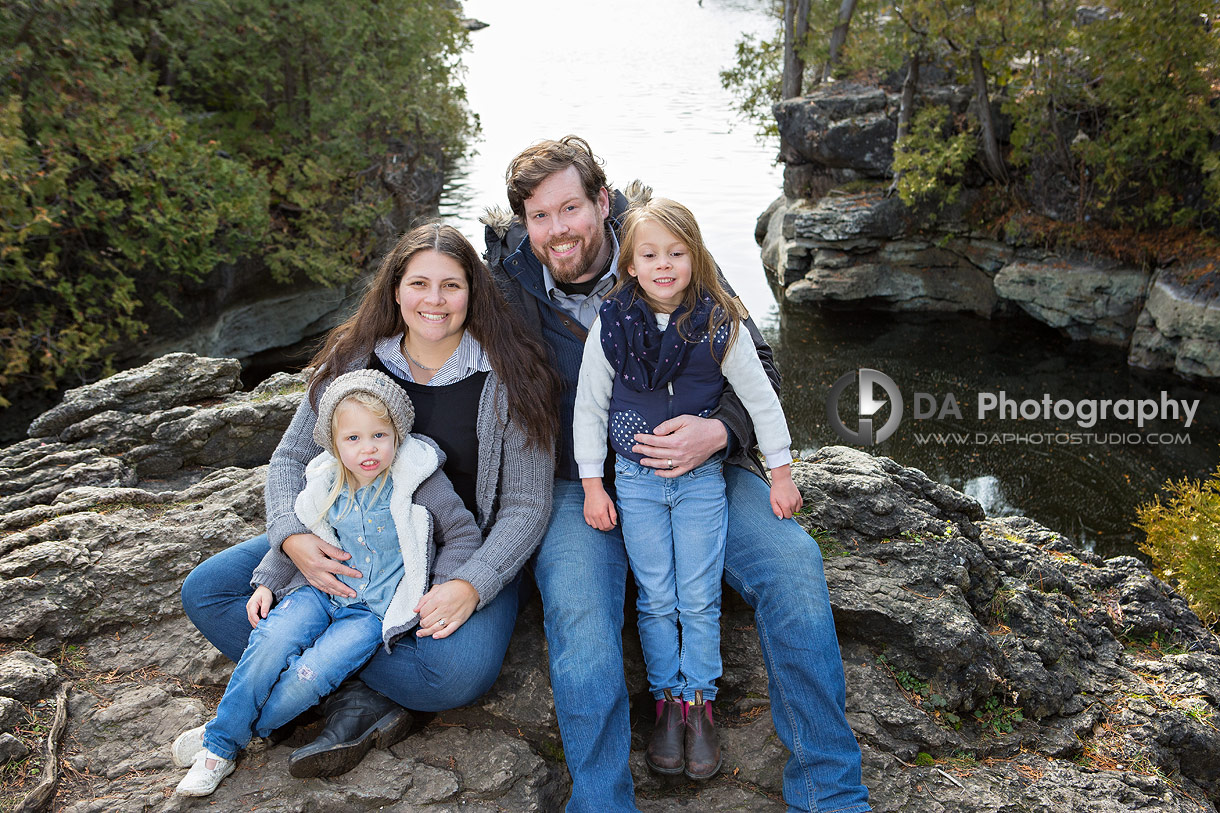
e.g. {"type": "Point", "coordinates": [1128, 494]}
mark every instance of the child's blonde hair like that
{"type": "Point", "coordinates": [343, 477]}
{"type": "Point", "coordinates": [705, 278]}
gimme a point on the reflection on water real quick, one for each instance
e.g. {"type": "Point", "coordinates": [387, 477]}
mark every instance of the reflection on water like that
{"type": "Point", "coordinates": [640, 81]}
{"type": "Point", "coordinates": [1087, 491]}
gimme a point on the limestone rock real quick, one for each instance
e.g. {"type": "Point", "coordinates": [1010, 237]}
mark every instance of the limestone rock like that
{"type": "Point", "coordinates": [12, 714]}
{"type": "Point", "coordinates": [129, 727]}
{"type": "Point", "coordinates": [842, 125]}
{"type": "Point", "coordinates": [989, 663]}
{"type": "Point", "coordinates": [26, 677]}
{"type": "Point", "coordinates": [256, 323]}
{"type": "Point", "coordinates": [838, 238]}
{"type": "Point", "coordinates": [39, 475]}
{"type": "Point", "coordinates": [1085, 302]}
{"type": "Point", "coordinates": [121, 564]}
{"type": "Point", "coordinates": [181, 411]}
{"type": "Point", "coordinates": [167, 382]}
{"type": "Point", "coordinates": [1179, 328]}
{"type": "Point", "coordinates": [11, 748]}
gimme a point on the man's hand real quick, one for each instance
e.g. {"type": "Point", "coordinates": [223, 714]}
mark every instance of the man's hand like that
{"type": "Point", "coordinates": [259, 604]}
{"type": "Point", "coordinates": [680, 444]}
{"type": "Point", "coordinates": [599, 508]}
{"type": "Point", "coordinates": [319, 561]}
{"type": "Point", "coordinates": [446, 607]}
{"type": "Point", "coordinates": [785, 496]}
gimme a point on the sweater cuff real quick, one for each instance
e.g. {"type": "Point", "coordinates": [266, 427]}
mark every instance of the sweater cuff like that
{"type": "Point", "coordinates": [776, 459]}
{"type": "Point", "coordinates": [275, 571]}
{"type": "Point", "coordinates": [283, 526]}
{"type": "Point", "coordinates": [482, 577]}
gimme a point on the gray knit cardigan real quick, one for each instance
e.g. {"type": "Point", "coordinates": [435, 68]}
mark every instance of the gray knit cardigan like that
{"type": "Point", "coordinates": [512, 489]}
{"type": "Point", "coordinates": [436, 534]}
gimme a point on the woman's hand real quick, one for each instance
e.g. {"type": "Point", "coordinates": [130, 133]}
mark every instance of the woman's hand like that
{"type": "Point", "coordinates": [446, 607]}
{"type": "Point", "coordinates": [319, 561]}
{"type": "Point", "coordinates": [259, 605]}
{"type": "Point", "coordinates": [680, 444]}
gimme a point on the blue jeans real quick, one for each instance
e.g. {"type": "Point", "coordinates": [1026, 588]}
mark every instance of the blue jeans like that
{"type": "Point", "coordinates": [424, 674]}
{"type": "Point", "coordinates": [777, 567]}
{"type": "Point", "coordinates": [301, 651]}
{"type": "Point", "coordinates": [674, 529]}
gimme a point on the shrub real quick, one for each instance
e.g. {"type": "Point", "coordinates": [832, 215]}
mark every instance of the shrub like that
{"type": "Point", "coordinates": [144, 144]}
{"type": "Point", "coordinates": [1183, 541]}
{"type": "Point", "coordinates": [108, 198]}
{"type": "Point", "coordinates": [930, 162]}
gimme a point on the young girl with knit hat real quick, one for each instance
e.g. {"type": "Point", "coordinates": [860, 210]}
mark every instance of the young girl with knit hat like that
{"type": "Point", "coordinates": [379, 494]}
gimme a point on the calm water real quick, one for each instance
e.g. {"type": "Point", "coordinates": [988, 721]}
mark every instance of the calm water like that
{"type": "Point", "coordinates": [640, 81]}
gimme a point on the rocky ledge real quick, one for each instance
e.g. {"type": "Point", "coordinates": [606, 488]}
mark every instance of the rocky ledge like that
{"type": "Point", "coordinates": [836, 238]}
{"type": "Point", "coordinates": [990, 665]}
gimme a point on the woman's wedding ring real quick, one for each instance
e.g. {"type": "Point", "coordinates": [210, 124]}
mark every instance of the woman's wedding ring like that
{"type": "Point", "coordinates": [442, 623]}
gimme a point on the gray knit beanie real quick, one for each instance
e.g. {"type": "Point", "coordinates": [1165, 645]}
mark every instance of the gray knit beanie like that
{"type": "Point", "coordinates": [380, 386]}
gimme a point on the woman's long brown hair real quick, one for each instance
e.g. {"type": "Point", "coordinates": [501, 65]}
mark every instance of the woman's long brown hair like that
{"type": "Point", "coordinates": [519, 359]}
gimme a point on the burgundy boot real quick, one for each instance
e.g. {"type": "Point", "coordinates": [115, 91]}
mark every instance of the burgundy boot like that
{"type": "Point", "coordinates": [702, 742]}
{"type": "Point", "coordinates": [664, 753]}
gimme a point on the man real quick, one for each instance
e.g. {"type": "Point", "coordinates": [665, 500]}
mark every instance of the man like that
{"type": "Point", "coordinates": [555, 265]}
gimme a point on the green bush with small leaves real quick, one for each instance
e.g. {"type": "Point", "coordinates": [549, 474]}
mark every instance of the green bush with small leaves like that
{"type": "Point", "coordinates": [1182, 537]}
{"type": "Point", "coordinates": [929, 162]}
{"type": "Point", "coordinates": [1122, 105]}
{"type": "Point", "coordinates": [144, 144]}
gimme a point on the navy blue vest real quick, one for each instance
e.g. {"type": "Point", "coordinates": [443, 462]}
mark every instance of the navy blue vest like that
{"type": "Point", "coordinates": [658, 374]}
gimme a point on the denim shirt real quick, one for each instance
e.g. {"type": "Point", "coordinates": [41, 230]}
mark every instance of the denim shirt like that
{"type": "Point", "coordinates": [367, 532]}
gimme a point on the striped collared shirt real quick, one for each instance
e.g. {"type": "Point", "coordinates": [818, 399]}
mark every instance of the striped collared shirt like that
{"type": "Point", "coordinates": [468, 359]}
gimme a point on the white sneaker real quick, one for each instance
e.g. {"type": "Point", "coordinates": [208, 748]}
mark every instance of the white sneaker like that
{"type": "Point", "coordinates": [187, 747]}
{"type": "Point", "coordinates": [201, 780]}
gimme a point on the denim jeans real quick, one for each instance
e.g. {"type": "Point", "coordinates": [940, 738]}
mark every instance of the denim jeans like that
{"type": "Point", "coordinates": [674, 528]}
{"type": "Point", "coordinates": [425, 674]}
{"type": "Point", "coordinates": [301, 651]}
{"type": "Point", "coordinates": [582, 575]}
{"type": "Point", "coordinates": [777, 567]}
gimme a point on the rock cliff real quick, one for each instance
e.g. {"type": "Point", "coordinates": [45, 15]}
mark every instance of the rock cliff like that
{"type": "Point", "coordinates": [990, 665]}
{"type": "Point", "coordinates": [835, 238]}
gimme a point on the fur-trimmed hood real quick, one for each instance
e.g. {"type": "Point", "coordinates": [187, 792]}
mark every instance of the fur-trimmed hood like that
{"type": "Point", "coordinates": [437, 535]}
{"type": "Point", "coordinates": [417, 458]}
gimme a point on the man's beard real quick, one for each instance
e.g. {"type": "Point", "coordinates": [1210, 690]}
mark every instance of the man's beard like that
{"type": "Point", "coordinates": [577, 266]}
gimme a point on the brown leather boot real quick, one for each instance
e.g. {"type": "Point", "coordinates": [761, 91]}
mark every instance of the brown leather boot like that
{"type": "Point", "coordinates": [702, 742]}
{"type": "Point", "coordinates": [665, 750]}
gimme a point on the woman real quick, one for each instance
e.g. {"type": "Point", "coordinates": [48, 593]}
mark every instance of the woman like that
{"type": "Point", "coordinates": [483, 389]}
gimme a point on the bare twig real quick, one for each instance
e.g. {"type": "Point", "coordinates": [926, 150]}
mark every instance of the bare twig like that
{"type": "Point", "coordinates": [37, 799]}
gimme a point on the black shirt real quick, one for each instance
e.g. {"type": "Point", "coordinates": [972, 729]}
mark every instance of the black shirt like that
{"type": "Point", "coordinates": [449, 414]}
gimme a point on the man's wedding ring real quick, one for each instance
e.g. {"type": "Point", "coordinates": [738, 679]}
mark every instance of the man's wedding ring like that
{"type": "Point", "coordinates": [671, 462]}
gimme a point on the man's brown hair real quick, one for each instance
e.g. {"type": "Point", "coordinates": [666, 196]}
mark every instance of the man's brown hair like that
{"type": "Point", "coordinates": [541, 160]}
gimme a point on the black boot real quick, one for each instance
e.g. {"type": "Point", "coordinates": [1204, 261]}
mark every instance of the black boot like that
{"type": "Point", "coordinates": [665, 751]}
{"type": "Point", "coordinates": [702, 742]}
{"type": "Point", "coordinates": [357, 718]}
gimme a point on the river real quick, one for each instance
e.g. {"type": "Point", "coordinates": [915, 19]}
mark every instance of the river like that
{"type": "Point", "coordinates": [640, 81]}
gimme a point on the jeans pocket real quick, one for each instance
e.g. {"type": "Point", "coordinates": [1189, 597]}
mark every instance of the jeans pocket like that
{"type": "Point", "coordinates": [709, 468]}
{"type": "Point", "coordinates": [625, 469]}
